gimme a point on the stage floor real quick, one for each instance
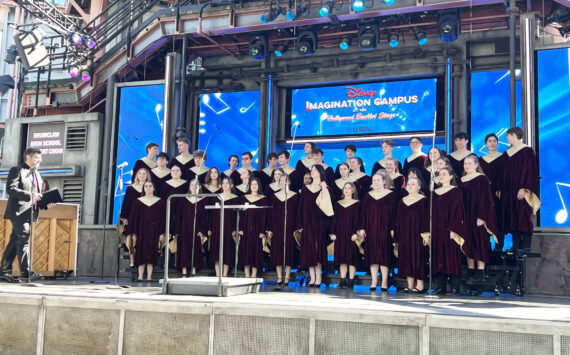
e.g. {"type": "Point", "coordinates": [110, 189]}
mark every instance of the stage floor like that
{"type": "Point", "coordinates": [541, 308]}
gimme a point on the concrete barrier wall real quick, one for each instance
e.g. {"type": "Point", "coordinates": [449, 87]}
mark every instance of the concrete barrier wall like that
{"type": "Point", "coordinates": [72, 325]}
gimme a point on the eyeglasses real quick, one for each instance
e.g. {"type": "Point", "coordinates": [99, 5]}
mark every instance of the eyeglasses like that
{"type": "Point", "coordinates": [414, 142]}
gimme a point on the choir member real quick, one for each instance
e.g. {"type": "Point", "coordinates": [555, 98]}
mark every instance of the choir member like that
{"type": "Point", "coordinates": [456, 158]}
{"type": "Point", "coordinates": [213, 181]}
{"type": "Point", "coordinates": [200, 168]}
{"type": "Point", "coordinates": [417, 159]}
{"type": "Point", "coordinates": [245, 176]}
{"type": "Point", "coordinates": [148, 162]}
{"type": "Point", "coordinates": [361, 180]}
{"type": "Point", "coordinates": [307, 180]}
{"type": "Point", "coordinates": [190, 233]}
{"type": "Point", "coordinates": [318, 159]}
{"type": "Point", "coordinates": [147, 225]}
{"type": "Point", "coordinates": [246, 161]}
{"type": "Point", "coordinates": [133, 192]}
{"type": "Point", "coordinates": [343, 232]}
{"type": "Point", "coordinates": [416, 173]}
{"type": "Point", "coordinates": [430, 169]}
{"type": "Point", "coordinates": [266, 175]}
{"type": "Point", "coordinates": [519, 190]}
{"type": "Point", "coordinates": [283, 157]}
{"type": "Point", "coordinates": [387, 147]}
{"type": "Point", "coordinates": [315, 208]}
{"type": "Point", "coordinates": [479, 217]}
{"type": "Point", "coordinates": [377, 223]}
{"type": "Point", "coordinates": [175, 185]}
{"type": "Point", "coordinates": [349, 151]}
{"type": "Point", "coordinates": [398, 179]}
{"type": "Point", "coordinates": [229, 225]}
{"type": "Point", "coordinates": [448, 232]}
{"type": "Point", "coordinates": [232, 172]}
{"type": "Point", "coordinates": [492, 165]}
{"type": "Point", "coordinates": [274, 186]}
{"type": "Point", "coordinates": [339, 183]}
{"type": "Point", "coordinates": [184, 159]}
{"type": "Point", "coordinates": [277, 232]}
{"type": "Point", "coordinates": [161, 173]}
{"type": "Point", "coordinates": [412, 234]}
{"type": "Point", "coordinates": [304, 165]}
{"type": "Point", "coordinates": [253, 223]}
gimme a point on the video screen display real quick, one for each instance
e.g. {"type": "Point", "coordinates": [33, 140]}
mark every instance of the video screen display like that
{"type": "Point", "coordinates": [553, 123]}
{"type": "Point", "coordinates": [140, 122]}
{"type": "Point", "coordinates": [229, 124]}
{"type": "Point", "coordinates": [355, 109]}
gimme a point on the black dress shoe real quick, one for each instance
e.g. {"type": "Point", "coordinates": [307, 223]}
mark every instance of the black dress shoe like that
{"type": "Point", "coordinates": [383, 289]}
{"type": "Point", "coordinates": [342, 283]}
{"type": "Point", "coordinates": [8, 278]}
{"type": "Point", "coordinates": [373, 288]}
{"type": "Point", "coordinates": [453, 292]}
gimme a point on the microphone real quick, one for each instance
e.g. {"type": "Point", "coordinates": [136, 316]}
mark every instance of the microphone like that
{"type": "Point", "coordinates": [136, 138]}
{"type": "Point", "coordinates": [32, 171]}
{"type": "Point", "coordinates": [120, 166]}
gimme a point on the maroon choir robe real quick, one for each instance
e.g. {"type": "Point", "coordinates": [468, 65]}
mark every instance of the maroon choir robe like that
{"type": "Point", "coordinates": [427, 176]}
{"type": "Point", "coordinates": [414, 161]}
{"type": "Point", "coordinates": [412, 226]}
{"type": "Point", "coordinates": [381, 164]}
{"type": "Point", "coordinates": [277, 226]}
{"type": "Point", "coordinates": [241, 190]}
{"type": "Point", "coordinates": [378, 218]}
{"type": "Point", "coordinates": [315, 208]}
{"type": "Point", "coordinates": [158, 177]}
{"type": "Point", "coordinates": [336, 188]}
{"type": "Point", "coordinates": [337, 171]}
{"type": "Point", "coordinates": [234, 175]}
{"type": "Point", "coordinates": [147, 222]}
{"type": "Point", "coordinates": [448, 216]}
{"type": "Point", "coordinates": [183, 226]}
{"type": "Point", "coordinates": [272, 189]}
{"type": "Point", "coordinates": [143, 163]}
{"type": "Point", "coordinates": [456, 160]}
{"type": "Point", "coordinates": [200, 172]}
{"type": "Point", "coordinates": [492, 165]}
{"type": "Point", "coordinates": [295, 178]}
{"type": "Point", "coordinates": [266, 176]}
{"type": "Point", "coordinates": [131, 195]}
{"type": "Point", "coordinates": [399, 184]}
{"type": "Point", "coordinates": [171, 187]}
{"type": "Point", "coordinates": [229, 228]}
{"type": "Point", "coordinates": [363, 183]}
{"type": "Point", "coordinates": [206, 189]}
{"type": "Point", "coordinates": [253, 222]}
{"type": "Point", "coordinates": [184, 163]}
{"type": "Point", "coordinates": [329, 175]}
{"type": "Point", "coordinates": [303, 167]}
{"type": "Point", "coordinates": [478, 203]}
{"type": "Point", "coordinates": [344, 224]}
{"type": "Point", "coordinates": [519, 172]}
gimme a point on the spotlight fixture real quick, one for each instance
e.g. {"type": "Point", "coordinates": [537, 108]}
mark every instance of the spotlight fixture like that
{"type": "Point", "coordinates": [90, 43]}
{"type": "Point", "coordinates": [357, 5]}
{"type": "Point", "coordinates": [85, 74]}
{"type": "Point", "coordinates": [327, 8]}
{"type": "Point", "coordinates": [6, 83]}
{"type": "Point", "coordinates": [258, 47]}
{"type": "Point", "coordinates": [367, 37]}
{"type": "Point", "coordinates": [76, 38]}
{"type": "Point", "coordinates": [307, 43]}
{"type": "Point", "coordinates": [345, 42]}
{"type": "Point", "coordinates": [31, 50]}
{"type": "Point", "coordinates": [448, 27]}
{"type": "Point", "coordinates": [74, 71]}
{"type": "Point", "coordinates": [11, 54]}
{"type": "Point", "coordinates": [420, 36]}
{"type": "Point", "coordinates": [280, 50]}
{"type": "Point", "coordinates": [388, 2]}
{"type": "Point", "coordinates": [271, 14]}
{"type": "Point", "coordinates": [297, 12]}
{"type": "Point", "coordinates": [394, 39]}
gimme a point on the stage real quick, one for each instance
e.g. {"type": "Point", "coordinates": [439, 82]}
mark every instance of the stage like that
{"type": "Point", "coordinates": [76, 316]}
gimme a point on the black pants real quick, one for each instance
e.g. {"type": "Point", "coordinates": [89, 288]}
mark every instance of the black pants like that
{"type": "Point", "coordinates": [17, 246]}
{"type": "Point", "coordinates": [521, 240]}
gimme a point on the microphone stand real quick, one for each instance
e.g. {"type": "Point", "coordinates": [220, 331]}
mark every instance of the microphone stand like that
{"type": "Point", "coordinates": [431, 188]}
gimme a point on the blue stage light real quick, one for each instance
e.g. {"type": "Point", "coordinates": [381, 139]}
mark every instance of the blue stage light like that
{"type": "Point", "coordinates": [326, 8]}
{"type": "Point", "coordinates": [357, 5]}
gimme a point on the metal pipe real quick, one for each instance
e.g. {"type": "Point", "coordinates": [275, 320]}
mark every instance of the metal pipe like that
{"type": "Point", "coordinates": [182, 77]}
{"type": "Point", "coordinates": [169, 82]}
{"type": "Point", "coordinates": [512, 10]}
{"type": "Point", "coordinates": [528, 27]}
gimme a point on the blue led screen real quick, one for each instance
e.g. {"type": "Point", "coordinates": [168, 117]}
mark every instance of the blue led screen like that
{"type": "Point", "coordinates": [230, 122]}
{"type": "Point", "coordinates": [140, 122]}
{"type": "Point", "coordinates": [553, 125]}
{"type": "Point", "coordinates": [388, 107]}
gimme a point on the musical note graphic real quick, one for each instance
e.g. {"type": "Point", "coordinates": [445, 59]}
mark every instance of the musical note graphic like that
{"type": "Point", "coordinates": [244, 109]}
{"type": "Point", "coordinates": [222, 106]}
{"type": "Point", "coordinates": [562, 215]}
{"type": "Point", "coordinates": [157, 109]}
{"type": "Point", "coordinates": [426, 93]}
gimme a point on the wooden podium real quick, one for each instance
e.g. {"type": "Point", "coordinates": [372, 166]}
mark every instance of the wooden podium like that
{"type": "Point", "coordinates": [55, 240]}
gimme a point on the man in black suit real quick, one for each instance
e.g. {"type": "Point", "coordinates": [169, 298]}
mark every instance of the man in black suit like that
{"type": "Point", "coordinates": [24, 187]}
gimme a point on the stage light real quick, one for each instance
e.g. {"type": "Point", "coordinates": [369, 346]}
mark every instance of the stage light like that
{"type": "Point", "coordinates": [307, 43]}
{"type": "Point", "coordinates": [357, 5]}
{"type": "Point", "coordinates": [389, 2]}
{"type": "Point", "coordinates": [394, 39]}
{"type": "Point", "coordinates": [271, 14]}
{"type": "Point", "coordinates": [11, 54]}
{"type": "Point", "coordinates": [295, 13]}
{"type": "Point", "coordinates": [31, 50]}
{"type": "Point", "coordinates": [258, 47]}
{"type": "Point", "coordinates": [367, 37]}
{"type": "Point", "coordinates": [280, 50]}
{"type": "Point", "coordinates": [420, 36]}
{"type": "Point", "coordinates": [6, 83]}
{"type": "Point", "coordinates": [345, 42]}
{"type": "Point", "coordinates": [91, 43]}
{"type": "Point", "coordinates": [327, 8]}
{"type": "Point", "coordinates": [74, 71]}
{"type": "Point", "coordinates": [85, 75]}
{"type": "Point", "coordinates": [76, 38]}
{"type": "Point", "coordinates": [448, 27]}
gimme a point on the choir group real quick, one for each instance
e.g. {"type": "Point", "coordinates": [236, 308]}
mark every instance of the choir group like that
{"type": "Point", "coordinates": [384, 219]}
